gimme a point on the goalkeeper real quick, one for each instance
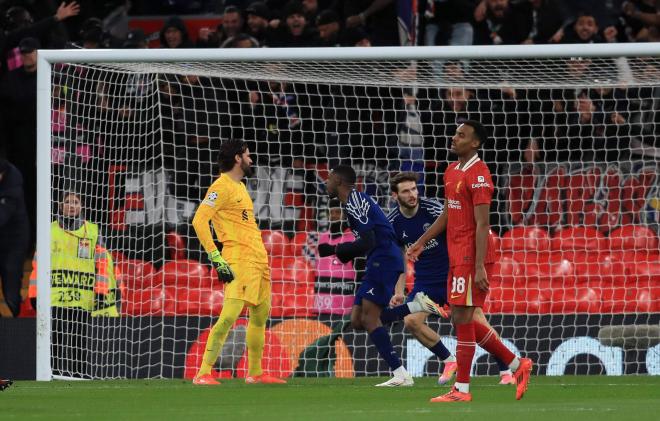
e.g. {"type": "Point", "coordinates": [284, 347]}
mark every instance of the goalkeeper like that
{"type": "Point", "coordinates": [242, 266]}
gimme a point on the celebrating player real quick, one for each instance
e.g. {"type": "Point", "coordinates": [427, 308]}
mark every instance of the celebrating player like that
{"type": "Point", "coordinates": [243, 265]}
{"type": "Point", "coordinates": [413, 215]}
{"type": "Point", "coordinates": [468, 193]}
{"type": "Point", "coordinates": [376, 240]}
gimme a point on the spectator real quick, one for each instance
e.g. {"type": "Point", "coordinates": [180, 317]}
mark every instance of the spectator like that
{"type": "Point", "coordinates": [639, 21]}
{"type": "Point", "coordinates": [501, 22]}
{"type": "Point", "coordinates": [294, 31]}
{"type": "Point", "coordinates": [258, 15]}
{"type": "Point", "coordinates": [311, 9]}
{"type": "Point", "coordinates": [240, 41]}
{"type": "Point", "coordinates": [448, 22]}
{"type": "Point", "coordinates": [93, 36]}
{"type": "Point", "coordinates": [174, 34]}
{"type": "Point", "coordinates": [19, 25]}
{"type": "Point", "coordinates": [378, 17]}
{"type": "Point", "coordinates": [18, 105]}
{"type": "Point", "coordinates": [329, 27]}
{"type": "Point", "coordinates": [15, 231]}
{"type": "Point", "coordinates": [335, 281]}
{"type": "Point", "coordinates": [76, 251]}
{"type": "Point", "coordinates": [232, 24]}
{"type": "Point", "coordinates": [135, 39]}
{"type": "Point", "coordinates": [548, 19]}
{"type": "Point", "coordinates": [355, 37]}
{"type": "Point", "coordinates": [585, 31]}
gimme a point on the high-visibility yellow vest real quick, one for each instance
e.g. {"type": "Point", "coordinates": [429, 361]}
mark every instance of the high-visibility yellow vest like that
{"type": "Point", "coordinates": [82, 271]}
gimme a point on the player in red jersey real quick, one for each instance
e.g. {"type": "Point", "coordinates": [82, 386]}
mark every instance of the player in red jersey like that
{"type": "Point", "coordinates": [468, 193]}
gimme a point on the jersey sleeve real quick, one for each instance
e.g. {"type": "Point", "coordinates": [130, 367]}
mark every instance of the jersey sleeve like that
{"type": "Point", "coordinates": [480, 186]}
{"type": "Point", "coordinates": [359, 209]}
{"type": "Point", "coordinates": [215, 200]}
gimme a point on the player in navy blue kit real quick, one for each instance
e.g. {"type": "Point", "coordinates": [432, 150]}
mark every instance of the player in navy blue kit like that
{"type": "Point", "coordinates": [412, 217]}
{"type": "Point", "coordinates": [375, 239]}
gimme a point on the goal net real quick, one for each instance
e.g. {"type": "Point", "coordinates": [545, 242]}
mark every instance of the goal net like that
{"type": "Point", "coordinates": [573, 149]}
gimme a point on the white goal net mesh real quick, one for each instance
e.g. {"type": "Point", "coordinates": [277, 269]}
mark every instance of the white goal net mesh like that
{"type": "Point", "coordinates": [573, 148]}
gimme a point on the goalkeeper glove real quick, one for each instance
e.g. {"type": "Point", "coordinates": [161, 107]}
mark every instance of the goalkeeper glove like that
{"type": "Point", "coordinates": [221, 266]}
{"type": "Point", "coordinates": [326, 250]}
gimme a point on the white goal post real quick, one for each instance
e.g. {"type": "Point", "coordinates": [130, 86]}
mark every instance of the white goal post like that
{"type": "Point", "coordinates": [526, 68]}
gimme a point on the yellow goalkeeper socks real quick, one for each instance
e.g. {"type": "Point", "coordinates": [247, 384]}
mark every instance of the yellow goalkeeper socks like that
{"type": "Point", "coordinates": [231, 309]}
{"type": "Point", "coordinates": [256, 336]}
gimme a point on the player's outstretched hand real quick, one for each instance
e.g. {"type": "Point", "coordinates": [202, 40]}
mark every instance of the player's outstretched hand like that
{"type": "Point", "coordinates": [481, 279]}
{"type": "Point", "coordinates": [326, 249]}
{"type": "Point", "coordinates": [225, 274]}
{"type": "Point", "coordinates": [414, 251]}
{"type": "Point", "coordinates": [4, 384]}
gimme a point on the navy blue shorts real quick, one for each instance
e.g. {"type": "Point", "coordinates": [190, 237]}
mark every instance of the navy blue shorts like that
{"type": "Point", "coordinates": [437, 292]}
{"type": "Point", "coordinates": [377, 288]}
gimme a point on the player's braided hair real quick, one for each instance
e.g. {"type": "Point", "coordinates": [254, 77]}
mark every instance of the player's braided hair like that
{"type": "Point", "coordinates": [228, 151]}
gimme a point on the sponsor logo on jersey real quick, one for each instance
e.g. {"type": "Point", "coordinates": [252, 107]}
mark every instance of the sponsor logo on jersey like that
{"type": "Point", "coordinates": [453, 204]}
{"type": "Point", "coordinates": [480, 185]}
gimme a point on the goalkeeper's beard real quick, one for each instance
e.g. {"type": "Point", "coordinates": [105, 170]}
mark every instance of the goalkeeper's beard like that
{"type": "Point", "coordinates": [247, 169]}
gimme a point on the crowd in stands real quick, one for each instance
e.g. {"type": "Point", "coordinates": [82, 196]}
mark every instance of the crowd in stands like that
{"type": "Point", "coordinates": [295, 125]}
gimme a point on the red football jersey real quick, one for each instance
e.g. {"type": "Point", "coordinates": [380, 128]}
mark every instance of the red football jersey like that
{"type": "Point", "coordinates": [464, 189]}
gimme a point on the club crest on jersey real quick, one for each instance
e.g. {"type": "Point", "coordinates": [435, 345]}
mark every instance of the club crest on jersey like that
{"type": "Point", "coordinates": [480, 179]}
{"type": "Point", "coordinates": [426, 226]}
{"type": "Point", "coordinates": [211, 198]}
{"type": "Point", "coordinates": [458, 186]}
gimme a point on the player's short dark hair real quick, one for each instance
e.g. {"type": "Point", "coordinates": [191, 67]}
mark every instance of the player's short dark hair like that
{"type": "Point", "coordinates": [346, 173]}
{"type": "Point", "coordinates": [400, 178]}
{"type": "Point", "coordinates": [480, 131]}
{"type": "Point", "coordinates": [228, 151]}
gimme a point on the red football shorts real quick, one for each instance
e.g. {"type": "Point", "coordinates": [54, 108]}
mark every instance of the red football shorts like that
{"type": "Point", "coordinates": [461, 289]}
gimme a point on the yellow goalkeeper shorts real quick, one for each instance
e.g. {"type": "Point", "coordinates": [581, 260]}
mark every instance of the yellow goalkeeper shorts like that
{"type": "Point", "coordinates": [251, 283]}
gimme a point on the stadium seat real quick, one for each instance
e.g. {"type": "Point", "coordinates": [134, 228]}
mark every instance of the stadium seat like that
{"type": "Point", "coordinates": [495, 240]}
{"type": "Point", "coordinates": [595, 269]}
{"type": "Point", "coordinates": [575, 300]}
{"type": "Point", "coordinates": [633, 237]}
{"type": "Point", "coordinates": [506, 271]}
{"type": "Point", "coordinates": [198, 301]}
{"type": "Point", "coordinates": [132, 273]}
{"type": "Point", "coordinates": [148, 302]}
{"type": "Point", "coordinates": [558, 271]}
{"type": "Point", "coordinates": [572, 240]}
{"type": "Point", "coordinates": [295, 270]}
{"type": "Point", "coordinates": [298, 243]}
{"type": "Point", "coordinates": [629, 299]}
{"type": "Point", "coordinates": [187, 273]}
{"type": "Point", "coordinates": [176, 246]}
{"type": "Point", "coordinates": [276, 243]}
{"type": "Point", "coordinates": [524, 238]}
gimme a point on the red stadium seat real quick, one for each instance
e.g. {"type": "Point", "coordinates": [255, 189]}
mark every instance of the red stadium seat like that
{"type": "Point", "coordinates": [495, 241]}
{"type": "Point", "coordinates": [523, 238]}
{"type": "Point", "coordinates": [148, 302]}
{"type": "Point", "coordinates": [198, 301]}
{"type": "Point", "coordinates": [596, 269]}
{"type": "Point", "coordinates": [575, 300]}
{"type": "Point", "coordinates": [276, 243]}
{"type": "Point", "coordinates": [506, 271]}
{"type": "Point", "coordinates": [558, 271]}
{"type": "Point", "coordinates": [578, 239]}
{"type": "Point", "coordinates": [629, 299]}
{"type": "Point", "coordinates": [298, 243]}
{"type": "Point", "coordinates": [295, 270]}
{"type": "Point", "coordinates": [633, 237]}
{"type": "Point", "coordinates": [176, 245]}
{"type": "Point", "coordinates": [188, 273]}
{"type": "Point", "coordinates": [132, 273]}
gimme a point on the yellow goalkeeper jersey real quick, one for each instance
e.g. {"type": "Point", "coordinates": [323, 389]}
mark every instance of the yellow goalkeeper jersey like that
{"type": "Point", "coordinates": [229, 207]}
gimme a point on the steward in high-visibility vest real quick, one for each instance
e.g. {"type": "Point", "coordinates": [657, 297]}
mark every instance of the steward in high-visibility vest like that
{"type": "Point", "coordinates": [82, 271]}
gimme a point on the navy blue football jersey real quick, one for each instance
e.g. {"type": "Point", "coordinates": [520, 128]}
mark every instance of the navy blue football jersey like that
{"type": "Point", "coordinates": [433, 263]}
{"type": "Point", "coordinates": [364, 215]}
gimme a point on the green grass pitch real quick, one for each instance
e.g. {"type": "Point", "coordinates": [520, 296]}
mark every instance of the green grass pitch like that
{"type": "Point", "coordinates": [548, 398]}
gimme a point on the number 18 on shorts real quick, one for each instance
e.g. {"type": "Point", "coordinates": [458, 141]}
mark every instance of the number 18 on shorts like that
{"type": "Point", "coordinates": [461, 286]}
